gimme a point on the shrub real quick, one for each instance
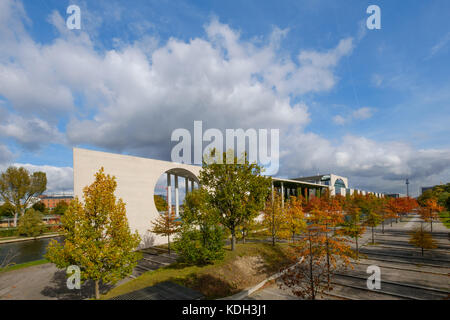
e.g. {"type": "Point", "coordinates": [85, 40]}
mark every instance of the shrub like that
{"type": "Point", "coordinates": [30, 224]}
{"type": "Point", "coordinates": [196, 247]}
{"type": "Point", "coordinates": [9, 232]}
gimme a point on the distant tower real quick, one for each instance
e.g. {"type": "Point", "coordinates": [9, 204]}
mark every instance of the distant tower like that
{"type": "Point", "coordinates": [407, 187]}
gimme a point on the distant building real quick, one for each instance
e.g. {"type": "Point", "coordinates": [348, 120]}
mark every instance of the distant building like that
{"type": "Point", "coordinates": [423, 189]}
{"type": "Point", "coordinates": [396, 195]}
{"type": "Point", "coordinates": [51, 201]}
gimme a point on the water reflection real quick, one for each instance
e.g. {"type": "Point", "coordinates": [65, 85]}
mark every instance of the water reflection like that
{"type": "Point", "coordinates": [27, 251]}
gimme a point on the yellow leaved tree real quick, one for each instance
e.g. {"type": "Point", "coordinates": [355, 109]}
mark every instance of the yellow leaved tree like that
{"type": "Point", "coordinates": [97, 237]}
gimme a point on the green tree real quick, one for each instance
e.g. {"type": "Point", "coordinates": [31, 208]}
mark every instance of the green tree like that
{"type": "Point", "coordinates": [60, 208]}
{"type": "Point", "coordinates": [201, 237]}
{"type": "Point", "coordinates": [370, 208]}
{"type": "Point", "coordinates": [235, 188]}
{"type": "Point", "coordinates": [18, 187]}
{"type": "Point", "coordinates": [160, 203]}
{"type": "Point", "coordinates": [97, 237]}
{"type": "Point", "coordinates": [7, 210]}
{"type": "Point", "coordinates": [40, 206]}
{"type": "Point", "coordinates": [30, 224]}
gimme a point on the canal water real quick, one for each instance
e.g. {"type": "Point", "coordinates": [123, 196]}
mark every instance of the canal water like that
{"type": "Point", "coordinates": [26, 251]}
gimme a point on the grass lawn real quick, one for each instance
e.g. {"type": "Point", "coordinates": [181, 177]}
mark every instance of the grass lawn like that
{"type": "Point", "coordinates": [445, 218]}
{"type": "Point", "coordinates": [24, 265]}
{"type": "Point", "coordinates": [249, 264]}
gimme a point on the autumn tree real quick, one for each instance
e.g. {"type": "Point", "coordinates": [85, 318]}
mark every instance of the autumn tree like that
{"type": "Point", "coordinates": [18, 187]}
{"type": "Point", "coordinates": [294, 218]}
{"type": "Point", "coordinates": [370, 209]}
{"type": "Point", "coordinates": [430, 211]}
{"type": "Point", "coordinates": [97, 237]}
{"type": "Point", "coordinates": [422, 239]}
{"type": "Point", "coordinates": [393, 209]}
{"type": "Point", "coordinates": [235, 188]}
{"type": "Point", "coordinates": [306, 278]}
{"type": "Point", "coordinates": [353, 224]}
{"type": "Point", "coordinates": [273, 216]}
{"type": "Point", "coordinates": [166, 224]}
{"type": "Point", "coordinates": [323, 215]}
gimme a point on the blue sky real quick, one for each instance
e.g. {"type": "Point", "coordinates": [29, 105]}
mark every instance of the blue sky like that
{"type": "Point", "coordinates": [373, 105]}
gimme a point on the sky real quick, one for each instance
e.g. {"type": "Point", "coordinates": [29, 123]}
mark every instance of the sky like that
{"type": "Point", "coordinates": [371, 105]}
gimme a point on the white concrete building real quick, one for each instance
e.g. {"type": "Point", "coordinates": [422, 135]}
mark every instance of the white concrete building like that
{"type": "Point", "coordinates": [136, 180]}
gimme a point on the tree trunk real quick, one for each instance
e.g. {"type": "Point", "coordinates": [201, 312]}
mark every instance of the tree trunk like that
{"type": "Point", "coordinates": [233, 239]}
{"type": "Point", "coordinates": [97, 289]}
{"type": "Point", "coordinates": [168, 243]}
{"type": "Point", "coordinates": [273, 228]}
{"type": "Point", "coordinates": [382, 226]}
{"type": "Point", "coordinates": [15, 220]}
{"type": "Point", "coordinates": [357, 250]}
{"type": "Point", "coordinates": [431, 222]}
{"type": "Point", "coordinates": [422, 251]}
{"type": "Point", "coordinates": [313, 297]}
{"type": "Point", "coordinates": [373, 239]}
{"type": "Point", "coordinates": [328, 260]}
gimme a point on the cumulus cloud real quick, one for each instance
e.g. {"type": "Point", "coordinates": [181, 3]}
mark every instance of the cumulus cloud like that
{"type": "Point", "coordinates": [30, 133]}
{"type": "Point", "coordinates": [5, 155]}
{"type": "Point", "coordinates": [372, 164]}
{"type": "Point", "coordinates": [135, 95]}
{"type": "Point", "coordinates": [59, 179]}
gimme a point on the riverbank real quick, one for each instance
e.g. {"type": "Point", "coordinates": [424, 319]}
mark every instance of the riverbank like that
{"type": "Point", "coordinates": [18, 239]}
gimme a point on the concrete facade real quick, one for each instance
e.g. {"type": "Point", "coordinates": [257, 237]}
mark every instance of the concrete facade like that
{"type": "Point", "coordinates": [136, 180]}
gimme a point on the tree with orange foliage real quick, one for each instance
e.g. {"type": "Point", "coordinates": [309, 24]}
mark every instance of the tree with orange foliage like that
{"type": "Point", "coordinates": [329, 217]}
{"type": "Point", "coordinates": [393, 209]}
{"type": "Point", "coordinates": [166, 224]}
{"type": "Point", "coordinates": [323, 254]}
{"type": "Point", "coordinates": [406, 205]}
{"type": "Point", "coordinates": [430, 211]}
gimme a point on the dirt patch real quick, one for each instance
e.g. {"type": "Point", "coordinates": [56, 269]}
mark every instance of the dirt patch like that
{"type": "Point", "coordinates": [231, 278]}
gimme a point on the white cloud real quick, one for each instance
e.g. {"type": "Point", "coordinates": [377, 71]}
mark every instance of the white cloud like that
{"type": "Point", "coordinates": [136, 94]}
{"type": "Point", "coordinates": [30, 133]}
{"type": "Point", "coordinates": [369, 163]}
{"type": "Point", "coordinates": [362, 113]}
{"type": "Point", "coordinates": [59, 179]}
{"type": "Point", "coordinates": [5, 155]}
{"type": "Point", "coordinates": [440, 45]}
{"type": "Point", "coordinates": [340, 120]}
{"type": "Point", "coordinates": [358, 114]}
